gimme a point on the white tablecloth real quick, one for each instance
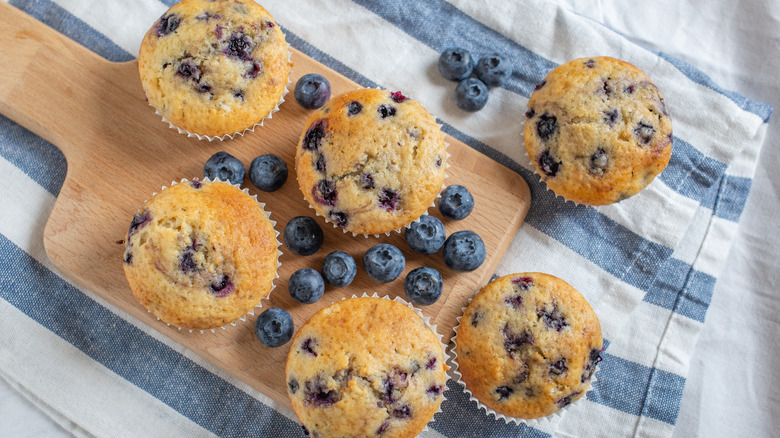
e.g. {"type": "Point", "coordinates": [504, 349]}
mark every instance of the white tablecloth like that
{"type": "Point", "coordinates": [728, 388]}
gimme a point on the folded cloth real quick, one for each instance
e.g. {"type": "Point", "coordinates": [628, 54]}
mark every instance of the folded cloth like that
{"type": "Point", "coordinates": [648, 265]}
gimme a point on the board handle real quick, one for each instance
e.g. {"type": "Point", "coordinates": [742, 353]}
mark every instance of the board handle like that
{"type": "Point", "coordinates": [50, 84]}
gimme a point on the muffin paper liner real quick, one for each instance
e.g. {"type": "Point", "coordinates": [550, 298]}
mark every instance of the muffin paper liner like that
{"type": "Point", "coordinates": [278, 257]}
{"type": "Point", "coordinates": [399, 230]}
{"type": "Point", "coordinates": [549, 421]}
{"type": "Point", "coordinates": [236, 134]}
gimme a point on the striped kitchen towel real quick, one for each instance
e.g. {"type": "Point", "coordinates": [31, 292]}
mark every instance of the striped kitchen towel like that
{"type": "Point", "coordinates": [648, 264]}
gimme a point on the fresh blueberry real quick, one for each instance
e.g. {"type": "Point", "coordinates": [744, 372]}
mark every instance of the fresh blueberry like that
{"type": "Point", "coordinates": [456, 202]}
{"type": "Point", "coordinates": [471, 94]}
{"type": "Point", "coordinates": [423, 286]}
{"type": "Point", "coordinates": [303, 235]}
{"type": "Point", "coordinates": [426, 236]}
{"type": "Point", "coordinates": [268, 172]}
{"type": "Point", "coordinates": [306, 285]}
{"type": "Point", "coordinates": [464, 251]}
{"type": "Point", "coordinates": [224, 167]}
{"type": "Point", "coordinates": [339, 268]}
{"type": "Point", "coordinates": [312, 91]}
{"type": "Point", "coordinates": [493, 70]}
{"type": "Point", "coordinates": [274, 327]}
{"type": "Point", "coordinates": [384, 262]}
{"type": "Point", "coordinates": [456, 64]}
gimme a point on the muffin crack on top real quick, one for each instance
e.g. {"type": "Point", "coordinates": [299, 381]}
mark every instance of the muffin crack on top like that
{"type": "Point", "coordinates": [365, 367]}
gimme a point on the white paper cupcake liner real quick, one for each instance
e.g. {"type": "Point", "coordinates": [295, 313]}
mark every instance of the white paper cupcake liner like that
{"type": "Point", "coordinates": [547, 422]}
{"type": "Point", "coordinates": [276, 273]}
{"type": "Point", "coordinates": [241, 133]}
{"type": "Point", "coordinates": [404, 227]}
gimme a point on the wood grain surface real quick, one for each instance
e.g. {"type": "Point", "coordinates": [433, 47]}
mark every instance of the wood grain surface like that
{"type": "Point", "coordinates": [119, 152]}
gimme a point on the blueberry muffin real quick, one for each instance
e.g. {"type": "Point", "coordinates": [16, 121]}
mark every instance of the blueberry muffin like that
{"type": "Point", "coordinates": [201, 254]}
{"type": "Point", "coordinates": [527, 345]}
{"type": "Point", "coordinates": [597, 130]}
{"type": "Point", "coordinates": [214, 68]}
{"type": "Point", "coordinates": [365, 367]}
{"type": "Point", "coordinates": [371, 161]}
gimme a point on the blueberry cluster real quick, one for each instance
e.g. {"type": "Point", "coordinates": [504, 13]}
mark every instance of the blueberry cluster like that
{"type": "Point", "coordinates": [471, 93]}
{"type": "Point", "coordinates": [267, 172]}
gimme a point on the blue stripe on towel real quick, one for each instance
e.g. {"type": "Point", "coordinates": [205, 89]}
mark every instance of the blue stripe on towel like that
{"type": "Point", "coordinates": [69, 25]}
{"type": "Point", "coordinates": [621, 385]}
{"type": "Point", "coordinates": [466, 420]}
{"type": "Point", "coordinates": [752, 106]}
{"type": "Point", "coordinates": [437, 24]}
{"type": "Point", "coordinates": [682, 289]}
{"type": "Point", "coordinates": [34, 156]}
{"type": "Point", "coordinates": [185, 386]}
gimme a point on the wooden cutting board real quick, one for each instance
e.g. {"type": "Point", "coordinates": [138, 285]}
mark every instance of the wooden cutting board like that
{"type": "Point", "coordinates": [119, 152]}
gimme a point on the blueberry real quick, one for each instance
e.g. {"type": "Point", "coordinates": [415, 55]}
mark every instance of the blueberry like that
{"type": "Point", "coordinates": [423, 286]}
{"type": "Point", "coordinates": [599, 161]}
{"type": "Point", "coordinates": [312, 91]}
{"type": "Point", "coordinates": [224, 167]}
{"type": "Point", "coordinates": [548, 164]}
{"type": "Point", "coordinates": [354, 108]}
{"type": "Point", "coordinates": [303, 235]}
{"type": "Point", "coordinates": [504, 392]}
{"type": "Point", "coordinates": [167, 24]}
{"type": "Point", "coordinates": [339, 268]}
{"type": "Point", "coordinates": [515, 342]}
{"type": "Point", "coordinates": [456, 64]}
{"type": "Point", "coordinates": [325, 193]}
{"type": "Point", "coordinates": [456, 202]}
{"type": "Point", "coordinates": [644, 132]}
{"type": "Point", "coordinates": [388, 199]}
{"type": "Point", "coordinates": [552, 316]}
{"type": "Point", "coordinates": [274, 327]}
{"type": "Point", "coordinates": [268, 172]}
{"type": "Point", "coordinates": [547, 126]}
{"type": "Point", "coordinates": [426, 236]}
{"type": "Point", "coordinates": [306, 285]}
{"type": "Point", "coordinates": [223, 287]}
{"type": "Point", "coordinates": [611, 116]}
{"type": "Point", "coordinates": [464, 251]}
{"type": "Point", "coordinates": [493, 70]}
{"type": "Point", "coordinates": [384, 262]}
{"type": "Point", "coordinates": [471, 94]}
{"type": "Point", "coordinates": [139, 221]}
{"type": "Point", "coordinates": [239, 46]}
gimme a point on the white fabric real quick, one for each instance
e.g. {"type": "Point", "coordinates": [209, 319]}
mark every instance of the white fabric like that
{"type": "Point", "coordinates": [728, 390]}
